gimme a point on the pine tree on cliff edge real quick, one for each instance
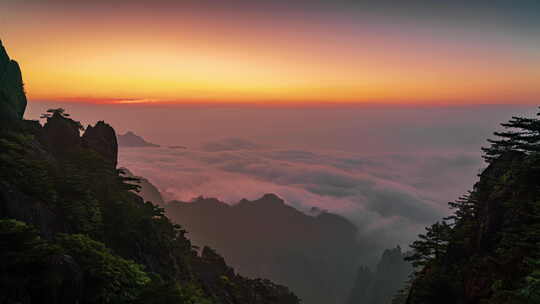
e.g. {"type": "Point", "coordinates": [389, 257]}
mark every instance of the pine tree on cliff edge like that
{"type": "Point", "coordinates": [523, 135]}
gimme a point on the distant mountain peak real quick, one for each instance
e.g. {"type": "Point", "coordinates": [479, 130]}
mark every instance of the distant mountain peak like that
{"type": "Point", "coordinates": [271, 198]}
{"type": "Point", "coordinates": [130, 139]}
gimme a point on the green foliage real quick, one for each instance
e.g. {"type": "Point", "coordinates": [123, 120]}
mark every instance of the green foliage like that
{"type": "Point", "coordinates": [159, 292]}
{"type": "Point", "coordinates": [27, 270]}
{"type": "Point", "coordinates": [431, 246]}
{"type": "Point", "coordinates": [99, 232]}
{"type": "Point", "coordinates": [20, 166]}
{"type": "Point", "coordinates": [21, 245]}
{"type": "Point", "coordinates": [490, 250]}
{"type": "Point", "coordinates": [523, 135]}
{"type": "Point", "coordinates": [108, 278]}
{"type": "Point", "coordinates": [531, 289]}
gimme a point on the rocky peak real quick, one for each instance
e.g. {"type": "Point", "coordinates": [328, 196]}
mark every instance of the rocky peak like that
{"type": "Point", "coordinates": [12, 97]}
{"type": "Point", "coordinates": [102, 139]}
{"type": "Point", "coordinates": [61, 133]}
{"type": "Point", "coordinates": [4, 58]}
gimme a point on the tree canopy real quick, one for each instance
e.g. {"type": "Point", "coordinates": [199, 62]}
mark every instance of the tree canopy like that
{"type": "Point", "coordinates": [521, 134]}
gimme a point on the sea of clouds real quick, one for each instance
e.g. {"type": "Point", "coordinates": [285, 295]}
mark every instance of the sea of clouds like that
{"type": "Point", "coordinates": [388, 195]}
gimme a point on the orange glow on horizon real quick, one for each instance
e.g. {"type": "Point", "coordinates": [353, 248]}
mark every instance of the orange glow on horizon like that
{"type": "Point", "coordinates": [185, 59]}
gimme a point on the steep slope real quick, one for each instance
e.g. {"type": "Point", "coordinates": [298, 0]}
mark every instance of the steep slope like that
{"type": "Point", "coordinates": [489, 250]}
{"type": "Point", "coordinates": [73, 231]}
{"type": "Point", "coordinates": [316, 256]}
{"type": "Point", "coordinates": [86, 212]}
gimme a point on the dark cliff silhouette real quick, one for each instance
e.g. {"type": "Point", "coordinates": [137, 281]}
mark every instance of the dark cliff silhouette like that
{"type": "Point", "coordinates": [12, 96]}
{"type": "Point", "coordinates": [102, 139]}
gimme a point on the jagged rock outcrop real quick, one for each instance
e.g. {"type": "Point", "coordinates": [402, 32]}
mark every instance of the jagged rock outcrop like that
{"type": "Point", "coordinates": [61, 134]}
{"type": "Point", "coordinates": [102, 139]}
{"type": "Point", "coordinates": [12, 97]}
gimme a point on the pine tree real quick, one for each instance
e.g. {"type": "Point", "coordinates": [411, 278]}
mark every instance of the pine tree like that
{"type": "Point", "coordinates": [465, 209]}
{"type": "Point", "coordinates": [431, 245]}
{"type": "Point", "coordinates": [523, 134]}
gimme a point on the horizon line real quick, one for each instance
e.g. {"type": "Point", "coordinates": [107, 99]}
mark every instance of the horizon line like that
{"type": "Point", "coordinates": [275, 104]}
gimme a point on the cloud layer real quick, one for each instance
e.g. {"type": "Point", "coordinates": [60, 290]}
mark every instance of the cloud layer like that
{"type": "Point", "coordinates": [391, 196]}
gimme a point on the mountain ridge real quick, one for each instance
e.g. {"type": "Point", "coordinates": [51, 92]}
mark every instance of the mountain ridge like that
{"type": "Point", "coordinates": [314, 255]}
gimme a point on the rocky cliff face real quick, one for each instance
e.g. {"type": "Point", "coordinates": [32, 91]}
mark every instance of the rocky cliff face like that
{"type": "Point", "coordinates": [12, 97]}
{"type": "Point", "coordinates": [61, 134]}
{"type": "Point", "coordinates": [102, 139]}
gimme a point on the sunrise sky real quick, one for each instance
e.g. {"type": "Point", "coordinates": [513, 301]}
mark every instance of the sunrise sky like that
{"type": "Point", "coordinates": [315, 51]}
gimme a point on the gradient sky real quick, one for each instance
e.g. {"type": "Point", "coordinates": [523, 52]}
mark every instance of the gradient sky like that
{"type": "Point", "coordinates": [436, 52]}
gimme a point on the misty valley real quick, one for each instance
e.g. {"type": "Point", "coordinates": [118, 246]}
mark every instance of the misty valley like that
{"type": "Point", "coordinates": [269, 152]}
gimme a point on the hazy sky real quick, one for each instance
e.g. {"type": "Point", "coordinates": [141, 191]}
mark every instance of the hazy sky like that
{"type": "Point", "coordinates": [274, 51]}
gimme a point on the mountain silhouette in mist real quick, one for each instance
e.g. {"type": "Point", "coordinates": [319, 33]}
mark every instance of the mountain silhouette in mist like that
{"type": "Point", "coordinates": [316, 256]}
{"type": "Point", "coordinates": [130, 139]}
{"type": "Point", "coordinates": [381, 285]}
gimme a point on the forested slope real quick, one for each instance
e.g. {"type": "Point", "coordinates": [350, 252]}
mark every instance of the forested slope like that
{"type": "Point", "coordinates": [488, 251]}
